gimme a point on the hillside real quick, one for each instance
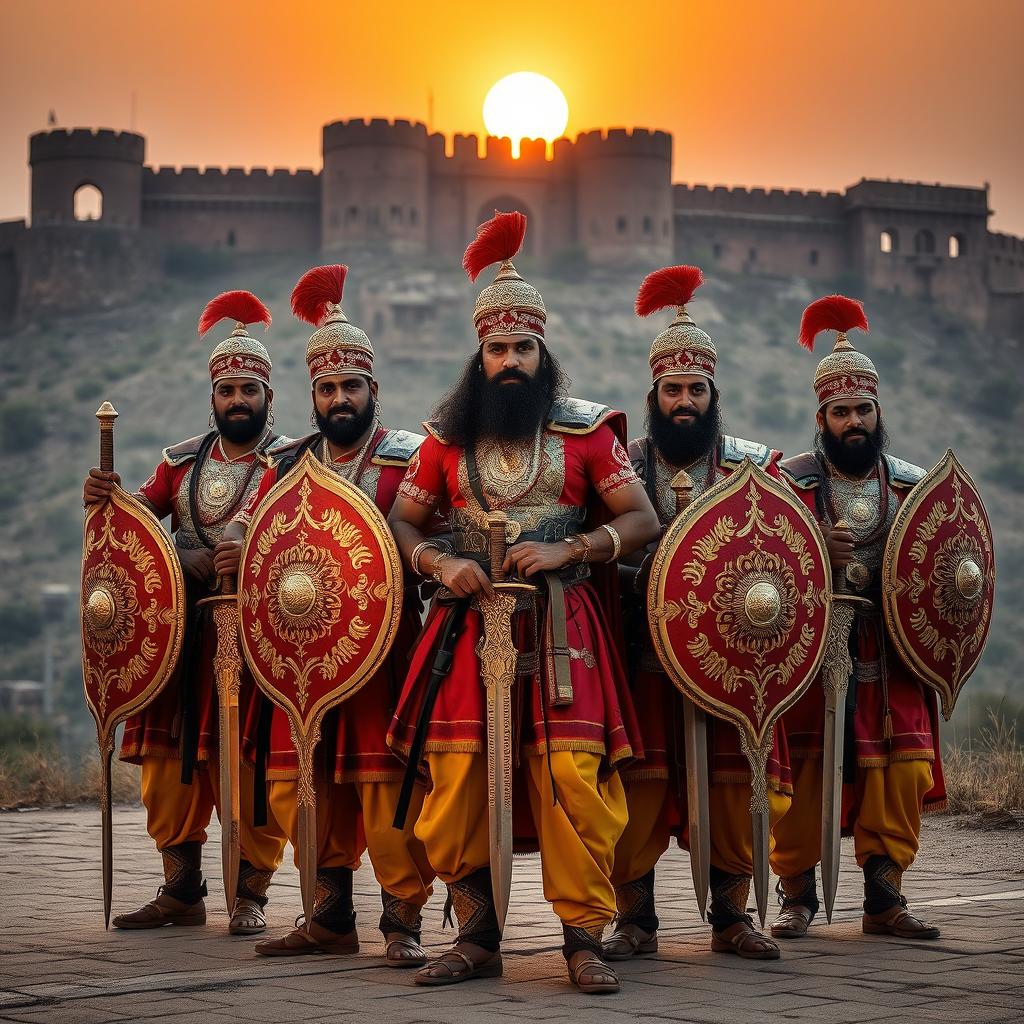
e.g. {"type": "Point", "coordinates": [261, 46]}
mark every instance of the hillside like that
{"type": "Point", "coordinates": [943, 384]}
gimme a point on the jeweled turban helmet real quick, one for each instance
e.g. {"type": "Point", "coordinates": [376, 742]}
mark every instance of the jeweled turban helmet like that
{"type": "Point", "coordinates": [844, 373]}
{"type": "Point", "coordinates": [510, 305]}
{"type": "Point", "coordinates": [336, 345]}
{"type": "Point", "coordinates": [682, 347]}
{"type": "Point", "coordinates": [239, 355]}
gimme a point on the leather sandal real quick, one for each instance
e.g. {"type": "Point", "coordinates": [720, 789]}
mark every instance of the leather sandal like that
{"type": "Point", "coordinates": [402, 950]}
{"type": "Point", "coordinates": [629, 940]}
{"type": "Point", "coordinates": [792, 922]}
{"type": "Point", "coordinates": [162, 911]}
{"type": "Point", "coordinates": [459, 967]}
{"type": "Point", "coordinates": [307, 939]}
{"type": "Point", "coordinates": [247, 917]}
{"type": "Point", "coordinates": [590, 974]}
{"type": "Point", "coordinates": [745, 941]}
{"type": "Point", "coordinates": [900, 922]}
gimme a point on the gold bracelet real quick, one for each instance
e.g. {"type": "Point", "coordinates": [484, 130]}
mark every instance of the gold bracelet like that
{"type": "Point", "coordinates": [435, 572]}
{"type": "Point", "coordinates": [616, 541]}
{"type": "Point", "coordinates": [582, 553]}
{"type": "Point", "coordinates": [417, 554]}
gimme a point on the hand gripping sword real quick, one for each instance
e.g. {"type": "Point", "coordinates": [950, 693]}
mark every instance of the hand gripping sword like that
{"type": "Point", "coordinates": [227, 668]}
{"type": "Point", "coordinates": [835, 680]}
{"type": "Point", "coordinates": [695, 738]}
{"type": "Point", "coordinates": [498, 668]}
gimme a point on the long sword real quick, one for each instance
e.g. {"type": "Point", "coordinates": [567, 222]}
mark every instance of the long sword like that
{"type": "Point", "coordinates": [498, 669]}
{"type": "Point", "coordinates": [695, 743]}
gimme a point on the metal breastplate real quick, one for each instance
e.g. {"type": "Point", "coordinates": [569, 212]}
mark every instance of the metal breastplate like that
{"type": "Point", "coordinates": [367, 481]}
{"type": "Point", "coordinates": [222, 490]}
{"type": "Point", "coordinates": [665, 497]}
{"type": "Point", "coordinates": [530, 501]}
{"type": "Point", "coordinates": [860, 504]}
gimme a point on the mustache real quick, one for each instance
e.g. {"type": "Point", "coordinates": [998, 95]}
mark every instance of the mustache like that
{"type": "Point", "coordinates": [336, 410]}
{"type": "Point", "coordinates": [855, 432]}
{"type": "Point", "coordinates": [511, 374]}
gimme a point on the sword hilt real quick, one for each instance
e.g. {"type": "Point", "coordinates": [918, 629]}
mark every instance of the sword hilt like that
{"type": "Point", "coordinates": [496, 522]}
{"type": "Point", "coordinates": [682, 485]}
{"type": "Point", "coordinates": [106, 414]}
{"type": "Point", "coordinates": [228, 585]}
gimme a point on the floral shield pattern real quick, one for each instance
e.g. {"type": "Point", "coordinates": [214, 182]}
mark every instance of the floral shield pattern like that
{"type": "Point", "coordinates": [938, 579]}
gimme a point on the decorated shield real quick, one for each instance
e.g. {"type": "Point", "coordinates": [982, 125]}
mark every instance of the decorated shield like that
{"type": "Point", "coordinates": [133, 610]}
{"type": "Point", "coordinates": [739, 602]}
{"type": "Point", "coordinates": [320, 592]}
{"type": "Point", "coordinates": [938, 579]}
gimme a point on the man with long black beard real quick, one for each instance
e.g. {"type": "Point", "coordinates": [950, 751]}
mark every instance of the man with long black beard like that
{"type": "Point", "coordinates": [684, 431]}
{"type": "Point", "coordinates": [201, 483]}
{"type": "Point", "coordinates": [892, 749]}
{"type": "Point", "coordinates": [505, 438]}
{"type": "Point", "coordinates": [357, 806]}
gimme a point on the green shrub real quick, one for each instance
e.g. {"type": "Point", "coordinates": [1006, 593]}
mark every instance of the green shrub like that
{"type": "Point", "coordinates": [22, 425]}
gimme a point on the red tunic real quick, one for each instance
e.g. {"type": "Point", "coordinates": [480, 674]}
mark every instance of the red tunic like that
{"type": "Point", "coordinates": [190, 694]}
{"type": "Point", "coordinates": [658, 703]}
{"type": "Point", "coordinates": [912, 706]}
{"type": "Point", "coordinates": [572, 471]}
{"type": "Point", "coordinates": [354, 733]}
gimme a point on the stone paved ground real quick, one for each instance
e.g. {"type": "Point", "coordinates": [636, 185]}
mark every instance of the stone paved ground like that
{"type": "Point", "coordinates": [58, 965]}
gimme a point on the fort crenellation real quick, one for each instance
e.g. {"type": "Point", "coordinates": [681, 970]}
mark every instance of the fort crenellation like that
{"type": "Point", "coordinates": [606, 196]}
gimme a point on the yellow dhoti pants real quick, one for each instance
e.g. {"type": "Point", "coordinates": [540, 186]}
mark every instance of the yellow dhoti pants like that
{"type": "Point", "coordinates": [648, 832]}
{"type": "Point", "coordinates": [577, 836]}
{"type": "Point", "coordinates": [888, 820]}
{"type": "Point", "coordinates": [180, 814]}
{"type": "Point", "coordinates": [356, 817]}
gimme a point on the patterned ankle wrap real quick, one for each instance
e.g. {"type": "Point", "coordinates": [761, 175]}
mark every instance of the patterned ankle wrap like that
{"type": "Point", "coordinates": [729, 895]}
{"type": "Point", "coordinates": [634, 903]}
{"type": "Point", "coordinates": [183, 872]}
{"type": "Point", "coordinates": [574, 939]}
{"type": "Point", "coordinates": [883, 883]}
{"type": "Point", "coordinates": [332, 901]}
{"type": "Point", "coordinates": [399, 916]}
{"type": "Point", "coordinates": [253, 883]}
{"type": "Point", "coordinates": [798, 891]}
{"type": "Point", "coordinates": [472, 899]}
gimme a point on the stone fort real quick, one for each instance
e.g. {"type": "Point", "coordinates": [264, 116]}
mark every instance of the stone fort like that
{"type": "Point", "coordinates": [606, 197]}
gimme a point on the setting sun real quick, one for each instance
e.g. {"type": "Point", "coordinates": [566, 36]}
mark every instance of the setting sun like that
{"type": "Point", "coordinates": [526, 106]}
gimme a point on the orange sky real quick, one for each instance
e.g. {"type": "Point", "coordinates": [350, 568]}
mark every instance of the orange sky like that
{"type": "Point", "coordinates": [779, 93]}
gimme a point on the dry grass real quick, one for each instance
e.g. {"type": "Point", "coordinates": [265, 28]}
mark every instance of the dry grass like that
{"type": "Point", "coordinates": [41, 777]}
{"type": "Point", "coordinates": [987, 774]}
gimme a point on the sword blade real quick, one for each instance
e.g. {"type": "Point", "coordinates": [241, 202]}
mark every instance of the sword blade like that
{"type": "Point", "coordinates": [306, 854]}
{"type": "Point", "coordinates": [759, 849]}
{"type": "Point", "coordinates": [107, 833]}
{"type": "Point", "coordinates": [831, 802]}
{"type": "Point", "coordinates": [698, 802]}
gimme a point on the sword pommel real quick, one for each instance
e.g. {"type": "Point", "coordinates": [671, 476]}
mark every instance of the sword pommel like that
{"type": "Point", "coordinates": [496, 522]}
{"type": "Point", "coordinates": [106, 414]}
{"type": "Point", "coordinates": [682, 484]}
{"type": "Point", "coordinates": [842, 524]}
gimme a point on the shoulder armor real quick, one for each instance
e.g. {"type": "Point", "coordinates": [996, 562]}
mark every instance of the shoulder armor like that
{"type": "Point", "coordinates": [184, 451]}
{"type": "Point", "coordinates": [638, 455]}
{"type": "Point", "coordinates": [279, 443]}
{"type": "Point", "coordinates": [902, 474]}
{"type": "Point", "coordinates": [802, 470]}
{"type": "Point", "coordinates": [733, 450]}
{"type": "Point", "coordinates": [431, 427]}
{"type": "Point", "coordinates": [291, 448]}
{"type": "Point", "coordinates": [575, 416]}
{"type": "Point", "coordinates": [396, 448]}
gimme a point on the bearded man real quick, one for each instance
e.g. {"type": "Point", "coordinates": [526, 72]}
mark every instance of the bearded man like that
{"type": "Point", "coordinates": [357, 805]}
{"type": "Point", "coordinates": [684, 432]}
{"type": "Point", "coordinates": [892, 767]}
{"type": "Point", "coordinates": [505, 438]}
{"type": "Point", "coordinates": [201, 483]}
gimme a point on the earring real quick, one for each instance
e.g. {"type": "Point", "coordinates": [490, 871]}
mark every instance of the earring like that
{"type": "Point", "coordinates": [270, 418]}
{"type": "Point", "coordinates": [312, 419]}
{"type": "Point", "coordinates": [211, 419]}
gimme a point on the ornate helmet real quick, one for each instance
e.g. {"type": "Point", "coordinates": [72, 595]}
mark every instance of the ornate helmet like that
{"type": "Point", "coordinates": [336, 346]}
{"type": "Point", "coordinates": [845, 372]}
{"type": "Point", "coordinates": [239, 355]}
{"type": "Point", "coordinates": [682, 347]}
{"type": "Point", "coordinates": [509, 305]}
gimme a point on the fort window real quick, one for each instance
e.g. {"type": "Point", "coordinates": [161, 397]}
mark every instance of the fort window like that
{"type": "Point", "coordinates": [88, 203]}
{"type": "Point", "coordinates": [812, 257]}
{"type": "Point", "coordinates": [620, 225]}
{"type": "Point", "coordinates": [889, 241]}
{"type": "Point", "coordinates": [396, 214]}
{"type": "Point", "coordinates": [924, 241]}
{"type": "Point", "coordinates": [957, 246]}
{"type": "Point", "coordinates": [648, 225]}
{"type": "Point", "coordinates": [378, 323]}
{"type": "Point", "coordinates": [352, 215]}
{"type": "Point", "coordinates": [231, 238]}
{"type": "Point", "coordinates": [716, 251]}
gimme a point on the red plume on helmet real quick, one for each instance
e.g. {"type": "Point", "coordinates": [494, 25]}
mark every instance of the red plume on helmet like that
{"type": "Point", "coordinates": [832, 313]}
{"type": "Point", "coordinates": [670, 286]}
{"type": "Point", "coordinates": [316, 290]}
{"type": "Point", "coordinates": [497, 240]}
{"type": "Point", "coordinates": [242, 307]}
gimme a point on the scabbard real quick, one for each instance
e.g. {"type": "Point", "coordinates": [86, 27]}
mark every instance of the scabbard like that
{"type": "Point", "coordinates": [556, 633]}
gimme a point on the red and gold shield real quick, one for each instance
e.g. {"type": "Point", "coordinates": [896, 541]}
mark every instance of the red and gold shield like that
{"type": "Point", "coordinates": [320, 592]}
{"type": "Point", "coordinates": [739, 601]}
{"type": "Point", "coordinates": [938, 579]}
{"type": "Point", "coordinates": [133, 610]}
